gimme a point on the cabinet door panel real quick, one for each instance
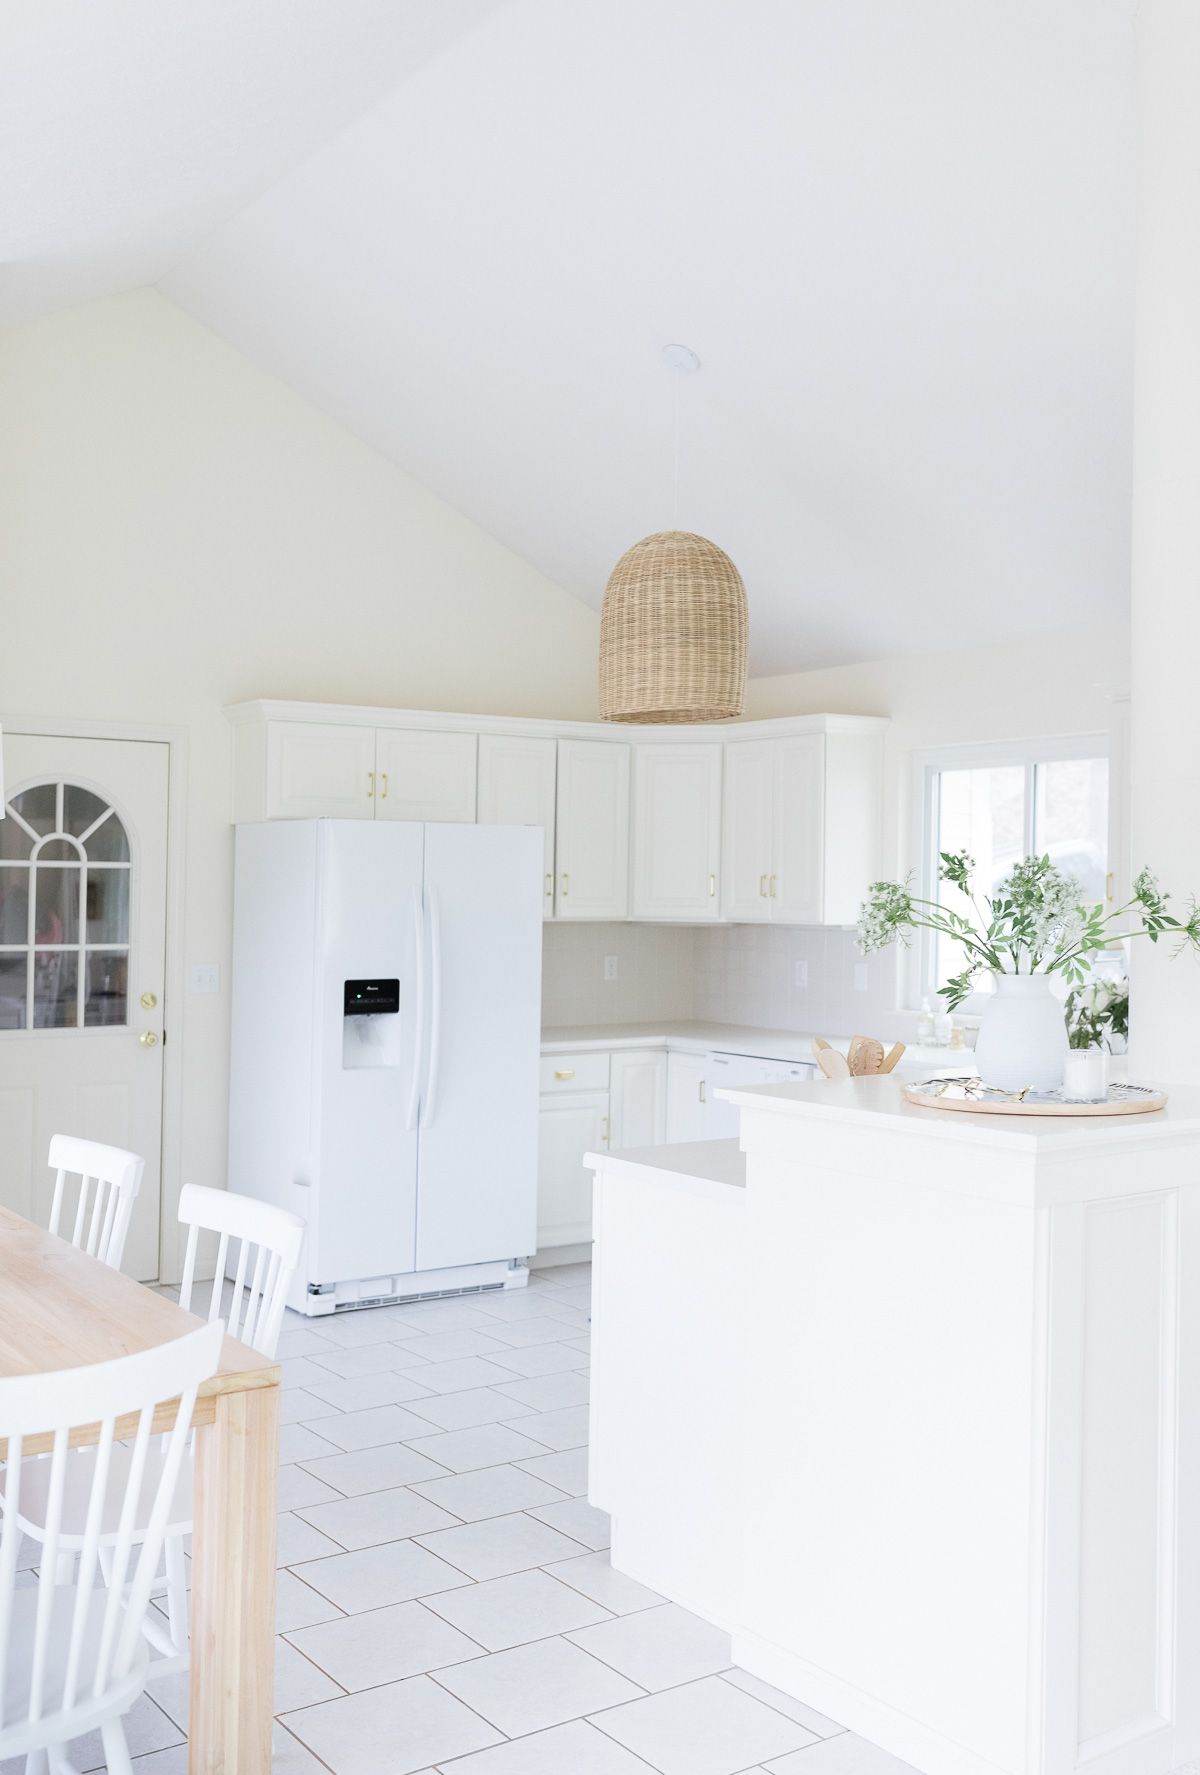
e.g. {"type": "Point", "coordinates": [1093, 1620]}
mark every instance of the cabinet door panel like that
{"type": "Point", "coordinates": [638, 1097]}
{"type": "Point", "coordinates": [425, 776]}
{"type": "Point", "coordinates": [516, 788]}
{"type": "Point", "coordinates": [317, 771]}
{"type": "Point", "coordinates": [687, 1097]}
{"type": "Point", "coordinates": [799, 829]}
{"type": "Point", "coordinates": [676, 831]}
{"type": "Point", "coordinates": [592, 830]}
{"type": "Point", "coordinates": [747, 848]}
{"type": "Point", "coordinates": [569, 1127]}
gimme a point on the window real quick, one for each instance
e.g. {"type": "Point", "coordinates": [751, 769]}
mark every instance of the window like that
{"type": "Point", "coordinates": [64, 910]}
{"type": "Point", "coordinates": [1001, 803]}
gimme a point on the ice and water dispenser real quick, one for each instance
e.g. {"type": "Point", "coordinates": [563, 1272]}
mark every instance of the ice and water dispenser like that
{"type": "Point", "coordinates": [370, 1023]}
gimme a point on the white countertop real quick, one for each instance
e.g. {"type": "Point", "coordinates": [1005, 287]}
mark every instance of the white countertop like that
{"type": "Point", "coordinates": [694, 1037]}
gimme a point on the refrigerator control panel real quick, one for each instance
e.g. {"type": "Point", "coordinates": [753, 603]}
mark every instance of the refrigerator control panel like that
{"type": "Point", "coordinates": [370, 998]}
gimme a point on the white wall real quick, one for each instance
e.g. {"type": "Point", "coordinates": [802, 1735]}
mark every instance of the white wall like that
{"type": "Point", "coordinates": [179, 531]}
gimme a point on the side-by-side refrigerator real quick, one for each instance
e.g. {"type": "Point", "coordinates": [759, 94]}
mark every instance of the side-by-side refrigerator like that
{"type": "Point", "coordinates": [385, 1040]}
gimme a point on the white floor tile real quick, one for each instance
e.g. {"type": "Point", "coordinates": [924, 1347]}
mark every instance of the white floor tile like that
{"type": "Point", "coordinates": [592, 1574]}
{"type": "Point", "coordinates": [481, 1405]}
{"type": "Point", "coordinates": [385, 1645]}
{"type": "Point", "coordinates": [358, 1360]}
{"type": "Point", "coordinates": [577, 1518]}
{"type": "Point", "coordinates": [535, 1686]}
{"type": "Point", "coordinates": [297, 1604]}
{"type": "Point", "coordinates": [300, 1371]}
{"type": "Point", "coordinates": [377, 1576]}
{"type": "Point", "coordinates": [453, 1345]}
{"type": "Point", "coordinates": [298, 1406]}
{"type": "Point", "coordinates": [288, 1756]}
{"type": "Point", "coordinates": [499, 1545]}
{"type": "Point", "coordinates": [704, 1728]}
{"type": "Point", "coordinates": [297, 1684]}
{"type": "Point", "coordinates": [520, 1304]}
{"type": "Point", "coordinates": [370, 1429]}
{"type": "Point", "coordinates": [363, 1391]}
{"type": "Point", "coordinates": [301, 1343]}
{"type": "Point", "coordinates": [538, 1359]}
{"type": "Point", "coordinates": [392, 1731]}
{"type": "Point", "coordinates": [297, 1486]}
{"type": "Point", "coordinates": [795, 1710]}
{"type": "Point", "coordinates": [368, 1469]}
{"type": "Point", "coordinates": [484, 1445]}
{"type": "Point", "coordinates": [489, 1491]}
{"type": "Point", "coordinates": [147, 1729]}
{"type": "Point", "coordinates": [520, 1334]}
{"type": "Point", "coordinates": [575, 1749]}
{"type": "Point", "coordinates": [355, 1330]}
{"type": "Point", "coordinates": [509, 1611]}
{"type": "Point", "coordinates": [375, 1517]}
{"type": "Point", "coordinates": [548, 1392]}
{"type": "Point", "coordinates": [658, 1648]}
{"type": "Point", "coordinates": [568, 1470]}
{"type": "Point", "coordinates": [567, 1428]}
{"type": "Point", "coordinates": [297, 1540]}
{"type": "Point", "coordinates": [297, 1441]}
{"type": "Point", "coordinates": [846, 1754]}
{"type": "Point", "coordinates": [442, 1315]}
{"type": "Point", "coordinates": [459, 1375]}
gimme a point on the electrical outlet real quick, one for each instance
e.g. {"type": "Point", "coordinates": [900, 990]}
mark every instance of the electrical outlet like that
{"type": "Point", "coordinates": [800, 976]}
{"type": "Point", "coordinates": [610, 967]}
{"type": "Point", "coordinates": [861, 982]}
{"type": "Point", "coordinates": [206, 977]}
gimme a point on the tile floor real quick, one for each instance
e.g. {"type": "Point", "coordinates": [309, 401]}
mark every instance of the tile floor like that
{"type": "Point", "coordinates": [445, 1598]}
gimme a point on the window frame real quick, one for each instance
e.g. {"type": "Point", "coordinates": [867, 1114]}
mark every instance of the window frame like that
{"type": "Point", "coordinates": [927, 768]}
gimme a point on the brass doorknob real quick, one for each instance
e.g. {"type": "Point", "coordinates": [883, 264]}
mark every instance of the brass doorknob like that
{"type": "Point", "coordinates": [148, 1000]}
{"type": "Point", "coordinates": [148, 1038]}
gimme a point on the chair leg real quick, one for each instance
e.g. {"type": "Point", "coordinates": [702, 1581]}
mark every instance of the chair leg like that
{"type": "Point", "coordinates": [177, 1602]}
{"type": "Point", "coordinates": [116, 1751]}
{"type": "Point", "coordinates": [37, 1763]}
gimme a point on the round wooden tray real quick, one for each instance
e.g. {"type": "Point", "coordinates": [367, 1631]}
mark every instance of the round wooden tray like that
{"type": "Point", "coordinates": [980, 1099]}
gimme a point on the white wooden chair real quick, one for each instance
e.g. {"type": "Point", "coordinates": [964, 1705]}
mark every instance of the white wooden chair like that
{"type": "Point", "coordinates": [72, 1656]}
{"type": "Point", "coordinates": [109, 1180]}
{"type": "Point", "coordinates": [266, 1244]}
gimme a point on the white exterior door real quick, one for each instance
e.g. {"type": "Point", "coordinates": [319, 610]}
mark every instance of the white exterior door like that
{"type": "Point", "coordinates": [424, 776]}
{"type": "Point", "coordinates": [593, 830]}
{"type": "Point", "coordinates": [748, 850]}
{"type": "Point", "coordinates": [676, 831]}
{"type": "Point", "coordinates": [83, 877]}
{"type": "Point", "coordinates": [516, 788]}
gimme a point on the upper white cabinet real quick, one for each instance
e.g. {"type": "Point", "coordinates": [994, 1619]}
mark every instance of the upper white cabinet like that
{"type": "Point", "coordinates": [592, 830]}
{"type": "Point", "coordinates": [676, 831]}
{"type": "Point", "coordinates": [314, 770]}
{"type": "Point", "coordinates": [802, 825]}
{"type": "Point", "coordinates": [424, 776]}
{"type": "Point", "coordinates": [517, 780]}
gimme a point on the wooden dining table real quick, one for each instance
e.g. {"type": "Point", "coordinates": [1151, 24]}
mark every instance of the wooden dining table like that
{"type": "Point", "coordinates": [60, 1308]}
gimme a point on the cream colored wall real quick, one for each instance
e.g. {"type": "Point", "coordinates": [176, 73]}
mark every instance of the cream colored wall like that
{"type": "Point", "coordinates": [179, 531]}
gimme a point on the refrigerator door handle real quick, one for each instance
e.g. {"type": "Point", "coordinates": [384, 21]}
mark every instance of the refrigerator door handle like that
{"type": "Point", "coordinates": [435, 1011]}
{"type": "Point", "coordinates": [414, 1093]}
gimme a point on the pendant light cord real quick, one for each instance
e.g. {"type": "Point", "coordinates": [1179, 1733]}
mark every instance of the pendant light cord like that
{"type": "Point", "coordinates": [675, 499]}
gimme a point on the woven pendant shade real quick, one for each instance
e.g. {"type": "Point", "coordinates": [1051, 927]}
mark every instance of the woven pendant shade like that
{"type": "Point", "coordinates": [673, 633]}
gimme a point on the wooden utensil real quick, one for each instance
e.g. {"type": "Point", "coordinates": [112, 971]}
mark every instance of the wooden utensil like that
{"type": "Point", "coordinates": [832, 1064]}
{"type": "Point", "coordinates": [865, 1059]}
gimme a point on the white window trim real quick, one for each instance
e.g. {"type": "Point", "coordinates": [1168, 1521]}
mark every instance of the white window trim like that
{"type": "Point", "coordinates": [926, 768]}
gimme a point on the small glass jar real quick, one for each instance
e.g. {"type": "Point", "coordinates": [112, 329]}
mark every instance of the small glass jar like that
{"type": "Point", "coordinates": [1085, 1075]}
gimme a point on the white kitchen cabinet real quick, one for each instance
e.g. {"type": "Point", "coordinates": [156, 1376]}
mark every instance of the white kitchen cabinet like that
{"type": "Point", "coordinates": [424, 776]}
{"type": "Point", "coordinates": [517, 779]}
{"type": "Point", "coordinates": [592, 830]}
{"type": "Point", "coordinates": [687, 1097]}
{"type": "Point", "coordinates": [676, 831]}
{"type": "Point", "coordinates": [802, 825]}
{"type": "Point", "coordinates": [574, 1120]}
{"type": "Point", "coordinates": [638, 1096]}
{"type": "Point", "coordinates": [317, 770]}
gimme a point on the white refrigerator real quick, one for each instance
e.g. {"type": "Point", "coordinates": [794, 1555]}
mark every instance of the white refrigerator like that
{"type": "Point", "coordinates": [384, 1057]}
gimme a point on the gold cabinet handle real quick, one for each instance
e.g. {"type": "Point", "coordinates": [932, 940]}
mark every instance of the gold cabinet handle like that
{"type": "Point", "coordinates": [370, 784]}
{"type": "Point", "coordinates": [703, 1091]}
{"type": "Point", "coordinates": [762, 887]}
{"type": "Point", "coordinates": [1108, 887]}
{"type": "Point", "coordinates": [383, 797]}
{"type": "Point", "coordinates": [566, 884]}
{"type": "Point", "coordinates": [568, 1073]}
{"type": "Point", "coordinates": [148, 1039]}
{"type": "Point", "coordinates": [148, 1001]}
{"type": "Point", "coordinates": [772, 887]}
{"type": "Point", "coordinates": [712, 886]}
{"type": "Point", "coordinates": [549, 885]}
{"type": "Point", "coordinates": [605, 1127]}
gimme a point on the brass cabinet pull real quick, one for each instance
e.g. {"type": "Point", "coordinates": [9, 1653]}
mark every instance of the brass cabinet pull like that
{"type": "Point", "coordinates": [549, 885]}
{"type": "Point", "coordinates": [712, 886]}
{"type": "Point", "coordinates": [383, 797]}
{"type": "Point", "coordinates": [566, 884]}
{"type": "Point", "coordinates": [569, 1073]}
{"type": "Point", "coordinates": [1108, 886]}
{"type": "Point", "coordinates": [772, 887]}
{"type": "Point", "coordinates": [370, 784]}
{"type": "Point", "coordinates": [605, 1128]}
{"type": "Point", "coordinates": [703, 1092]}
{"type": "Point", "coordinates": [762, 887]}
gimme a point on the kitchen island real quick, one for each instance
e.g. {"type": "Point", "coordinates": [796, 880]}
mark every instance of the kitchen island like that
{"type": "Point", "coordinates": [930, 1445]}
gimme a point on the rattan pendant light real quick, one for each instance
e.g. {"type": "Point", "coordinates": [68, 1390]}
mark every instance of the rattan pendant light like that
{"type": "Point", "coordinates": [673, 624]}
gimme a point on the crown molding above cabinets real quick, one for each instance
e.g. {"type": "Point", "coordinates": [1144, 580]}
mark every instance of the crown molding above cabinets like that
{"type": "Point", "coordinates": [755, 822]}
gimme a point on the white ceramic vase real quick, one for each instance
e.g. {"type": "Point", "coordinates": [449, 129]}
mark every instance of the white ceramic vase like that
{"type": "Point", "coordinates": [1022, 1037]}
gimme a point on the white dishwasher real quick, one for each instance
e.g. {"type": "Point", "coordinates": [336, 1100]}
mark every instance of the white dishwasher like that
{"type": "Point", "coordinates": [729, 1071]}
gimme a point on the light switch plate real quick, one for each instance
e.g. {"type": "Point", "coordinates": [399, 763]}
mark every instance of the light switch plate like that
{"type": "Point", "coordinates": [610, 967]}
{"type": "Point", "coordinates": [206, 977]}
{"type": "Point", "coordinates": [800, 976]}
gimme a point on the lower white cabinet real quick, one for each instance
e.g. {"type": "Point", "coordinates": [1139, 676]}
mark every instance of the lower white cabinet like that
{"type": "Point", "coordinates": [638, 1096]}
{"type": "Point", "coordinates": [573, 1121]}
{"type": "Point", "coordinates": [687, 1097]}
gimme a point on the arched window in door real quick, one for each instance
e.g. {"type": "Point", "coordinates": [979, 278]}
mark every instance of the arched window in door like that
{"type": "Point", "coordinates": [64, 910]}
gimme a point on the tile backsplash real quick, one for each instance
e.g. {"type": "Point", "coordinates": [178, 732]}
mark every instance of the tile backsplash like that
{"type": "Point", "coordinates": [743, 974]}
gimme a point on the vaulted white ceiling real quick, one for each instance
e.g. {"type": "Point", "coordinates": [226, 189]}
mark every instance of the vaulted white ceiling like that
{"type": "Point", "coordinates": [899, 236]}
